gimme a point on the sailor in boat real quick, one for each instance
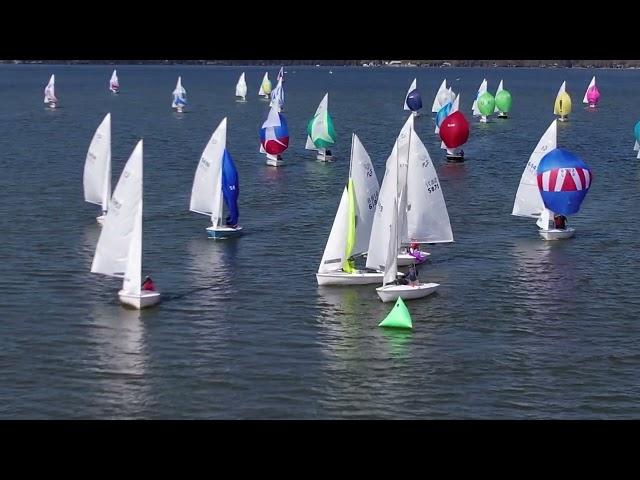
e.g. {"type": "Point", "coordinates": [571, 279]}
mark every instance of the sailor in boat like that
{"type": "Point", "coordinates": [228, 223]}
{"type": "Point", "coordinates": [414, 251]}
{"type": "Point", "coordinates": [327, 153]}
{"type": "Point", "coordinates": [148, 284]}
{"type": "Point", "coordinates": [560, 222]}
{"type": "Point", "coordinates": [413, 276]}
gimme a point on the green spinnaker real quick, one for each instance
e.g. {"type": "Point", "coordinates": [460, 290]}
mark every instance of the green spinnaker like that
{"type": "Point", "coordinates": [503, 101]}
{"type": "Point", "coordinates": [486, 104]}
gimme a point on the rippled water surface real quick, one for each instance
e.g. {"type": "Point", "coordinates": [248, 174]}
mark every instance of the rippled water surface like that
{"type": "Point", "coordinates": [519, 328]}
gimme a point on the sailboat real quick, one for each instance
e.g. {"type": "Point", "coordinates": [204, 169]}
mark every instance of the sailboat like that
{"type": "Point", "coordinates": [562, 104]}
{"type": "Point", "coordinates": [592, 94]}
{"type": "Point", "coordinates": [636, 133]}
{"type": "Point", "coordinates": [408, 210]}
{"type": "Point", "coordinates": [119, 249]}
{"type": "Point", "coordinates": [444, 112]}
{"type": "Point", "coordinates": [280, 75]}
{"type": "Point", "coordinates": [503, 101]}
{"type": "Point", "coordinates": [442, 97]}
{"type": "Point", "coordinates": [277, 96]}
{"type": "Point", "coordinates": [114, 85]}
{"type": "Point", "coordinates": [351, 227]}
{"type": "Point", "coordinates": [484, 104]}
{"type": "Point", "coordinates": [454, 132]}
{"type": "Point", "coordinates": [274, 137]}
{"type": "Point", "coordinates": [97, 168]}
{"type": "Point", "coordinates": [265, 87]}
{"type": "Point", "coordinates": [241, 89]}
{"type": "Point", "coordinates": [49, 92]}
{"type": "Point", "coordinates": [320, 132]}
{"type": "Point", "coordinates": [216, 179]}
{"type": "Point", "coordinates": [179, 97]}
{"type": "Point", "coordinates": [553, 181]}
{"type": "Point", "coordinates": [413, 100]}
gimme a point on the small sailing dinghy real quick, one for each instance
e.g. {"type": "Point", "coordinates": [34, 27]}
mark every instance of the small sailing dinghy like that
{"type": "Point", "coordinates": [280, 75]}
{"type": "Point", "coordinates": [413, 100]}
{"type": "Point", "coordinates": [351, 227]}
{"type": "Point", "coordinates": [442, 97]}
{"type": "Point", "coordinates": [554, 181]}
{"type": "Point", "coordinates": [114, 85]}
{"type": "Point", "coordinates": [503, 101]}
{"type": "Point", "coordinates": [274, 137]}
{"type": "Point", "coordinates": [592, 94]}
{"type": "Point", "coordinates": [265, 87]}
{"type": "Point", "coordinates": [562, 105]}
{"type": "Point", "coordinates": [241, 89]}
{"type": "Point", "coordinates": [277, 96]}
{"type": "Point", "coordinates": [391, 222]}
{"type": "Point", "coordinates": [484, 104]}
{"type": "Point", "coordinates": [636, 133]}
{"type": "Point", "coordinates": [216, 178]}
{"type": "Point", "coordinates": [97, 168]}
{"type": "Point", "coordinates": [454, 132]}
{"type": "Point", "coordinates": [50, 93]}
{"type": "Point", "coordinates": [119, 249]}
{"type": "Point", "coordinates": [320, 132]}
{"type": "Point", "coordinates": [179, 97]}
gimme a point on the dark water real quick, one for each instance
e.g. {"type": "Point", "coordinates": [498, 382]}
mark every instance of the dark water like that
{"type": "Point", "coordinates": [520, 328]}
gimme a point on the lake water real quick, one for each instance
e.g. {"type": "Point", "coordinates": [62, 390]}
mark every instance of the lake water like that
{"type": "Point", "coordinates": [520, 328]}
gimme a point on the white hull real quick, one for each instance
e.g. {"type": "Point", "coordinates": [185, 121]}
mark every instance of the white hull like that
{"type": "Point", "coordinates": [274, 161]}
{"type": "Point", "coordinates": [100, 220]}
{"type": "Point", "coordinates": [390, 293]}
{"type": "Point", "coordinates": [502, 115]}
{"type": "Point", "coordinates": [241, 100]}
{"type": "Point", "coordinates": [344, 278]}
{"type": "Point", "coordinates": [592, 105]}
{"type": "Point", "coordinates": [416, 113]}
{"type": "Point", "coordinates": [323, 157]}
{"type": "Point", "coordinates": [179, 109]}
{"type": "Point", "coordinates": [223, 232]}
{"type": "Point", "coordinates": [52, 105]}
{"type": "Point", "coordinates": [484, 119]}
{"type": "Point", "coordinates": [563, 118]}
{"type": "Point", "coordinates": [406, 259]}
{"type": "Point", "coordinates": [144, 300]}
{"type": "Point", "coordinates": [557, 234]}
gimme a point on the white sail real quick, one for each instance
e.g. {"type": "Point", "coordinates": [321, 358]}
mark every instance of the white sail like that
{"type": "Point", "coordinates": [436, 101]}
{"type": "Point", "coordinates": [277, 96]}
{"type": "Point", "coordinates": [49, 91]}
{"type": "Point", "coordinates": [545, 219]}
{"type": "Point", "coordinates": [636, 147]}
{"type": "Point", "coordinates": [179, 94]}
{"type": "Point", "coordinates": [241, 87]}
{"type": "Point", "coordinates": [481, 90]}
{"type": "Point", "coordinates": [500, 88]}
{"type": "Point", "coordinates": [132, 281]}
{"type": "Point", "coordinates": [334, 251]}
{"type": "Point", "coordinates": [391, 260]}
{"type": "Point", "coordinates": [413, 86]}
{"type": "Point", "coordinates": [206, 193]}
{"type": "Point", "coordinates": [528, 202]}
{"type": "Point", "coordinates": [318, 127]}
{"type": "Point", "coordinates": [427, 216]}
{"type": "Point", "coordinates": [264, 79]}
{"type": "Point", "coordinates": [124, 212]}
{"type": "Point", "coordinates": [367, 189]}
{"type": "Point", "coordinates": [97, 166]}
{"type": "Point", "coordinates": [591, 84]}
{"type": "Point", "coordinates": [113, 82]}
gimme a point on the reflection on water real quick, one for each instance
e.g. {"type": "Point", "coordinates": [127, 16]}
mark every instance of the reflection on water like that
{"type": "Point", "coordinates": [398, 341]}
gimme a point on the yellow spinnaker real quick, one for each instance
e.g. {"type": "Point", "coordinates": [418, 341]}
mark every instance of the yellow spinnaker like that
{"type": "Point", "coordinates": [563, 105]}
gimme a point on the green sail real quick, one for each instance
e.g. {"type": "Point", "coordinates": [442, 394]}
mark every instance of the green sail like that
{"type": "Point", "coordinates": [486, 104]}
{"type": "Point", "coordinates": [503, 101]}
{"type": "Point", "coordinates": [348, 266]}
{"type": "Point", "coordinates": [323, 135]}
{"type": "Point", "coordinates": [399, 316]}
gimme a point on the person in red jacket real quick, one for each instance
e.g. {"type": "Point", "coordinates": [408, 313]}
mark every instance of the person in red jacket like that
{"type": "Point", "coordinates": [148, 284]}
{"type": "Point", "coordinates": [560, 222]}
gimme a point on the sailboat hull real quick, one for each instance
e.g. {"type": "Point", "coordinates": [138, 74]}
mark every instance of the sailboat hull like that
{"type": "Point", "coordinates": [274, 161]}
{"type": "Point", "coordinates": [502, 115]}
{"type": "Point", "coordinates": [144, 300]}
{"type": "Point", "coordinates": [323, 157]}
{"type": "Point", "coordinates": [557, 234]}
{"type": "Point", "coordinates": [241, 100]}
{"type": "Point", "coordinates": [391, 293]}
{"type": "Point", "coordinates": [100, 219]}
{"type": "Point", "coordinates": [219, 233]}
{"type": "Point", "coordinates": [406, 259]}
{"type": "Point", "coordinates": [344, 278]}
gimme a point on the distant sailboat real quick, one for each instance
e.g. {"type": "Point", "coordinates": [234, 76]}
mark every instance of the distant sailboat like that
{"type": "Point", "coordinates": [49, 92]}
{"type": "Point", "coordinates": [216, 179]}
{"type": "Point", "coordinates": [592, 94]}
{"type": "Point", "coordinates": [265, 87]}
{"type": "Point", "coordinates": [97, 168]}
{"type": "Point", "coordinates": [442, 97]}
{"type": "Point", "coordinates": [503, 101]}
{"type": "Point", "coordinates": [351, 227]}
{"type": "Point", "coordinates": [484, 104]}
{"type": "Point", "coordinates": [320, 132]}
{"type": "Point", "coordinates": [636, 133]}
{"type": "Point", "coordinates": [119, 249]}
{"type": "Point", "coordinates": [454, 132]}
{"type": "Point", "coordinates": [562, 105]}
{"type": "Point", "coordinates": [179, 97]}
{"type": "Point", "coordinates": [277, 96]}
{"type": "Point", "coordinates": [280, 75]}
{"type": "Point", "coordinates": [413, 100]}
{"type": "Point", "coordinates": [241, 89]}
{"type": "Point", "coordinates": [392, 223]}
{"type": "Point", "coordinates": [274, 137]}
{"type": "Point", "coordinates": [114, 85]}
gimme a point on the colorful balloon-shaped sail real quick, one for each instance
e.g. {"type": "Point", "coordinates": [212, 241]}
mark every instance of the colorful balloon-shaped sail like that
{"type": "Point", "coordinates": [592, 94]}
{"type": "Point", "coordinates": [454, 130]}
{"type": "Point", "coordinates": [413, 100]}
{"type": "Point", "coordinates": [563, 181]}
{"type": "Point", "coordinates": [230, 188]}
{"type": "Point", "coordinates": [274, 134]}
